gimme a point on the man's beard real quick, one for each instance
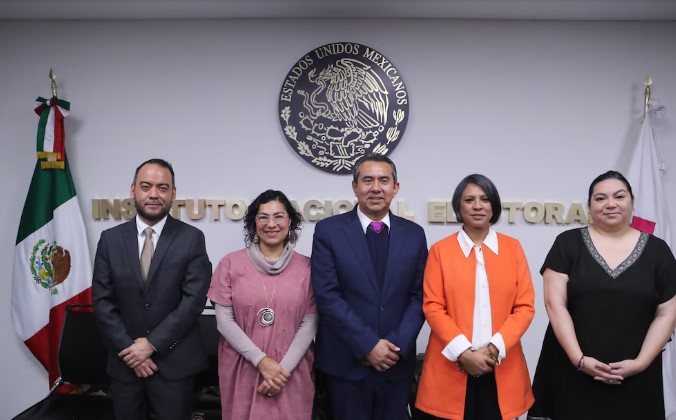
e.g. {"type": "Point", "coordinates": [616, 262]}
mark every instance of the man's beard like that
{"type": "Point", "coordinates": [153, 217]}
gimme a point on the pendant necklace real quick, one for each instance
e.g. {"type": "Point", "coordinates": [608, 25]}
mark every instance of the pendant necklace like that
{"type": "Point", "coordinates": [266, 316]}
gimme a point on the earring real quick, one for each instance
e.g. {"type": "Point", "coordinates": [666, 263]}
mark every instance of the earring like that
{"type": "Point", "coordinates": [255, 238]}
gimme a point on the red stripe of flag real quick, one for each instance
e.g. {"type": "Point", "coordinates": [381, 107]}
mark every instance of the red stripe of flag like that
{"type": "Point", "coordinates": [45, 343]}
{"type": "Point", "coordinates": [643, 225]}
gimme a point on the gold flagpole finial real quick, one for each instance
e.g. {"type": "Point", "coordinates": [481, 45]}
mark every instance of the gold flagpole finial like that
{"type": "Point", "coordinates": [646, 95]}
{"type": "Point", "coordinates": [52, 76]}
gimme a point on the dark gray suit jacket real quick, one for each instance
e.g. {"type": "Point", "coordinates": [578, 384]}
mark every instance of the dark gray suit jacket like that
{"type": "Point", "coordinates": [165, 309]}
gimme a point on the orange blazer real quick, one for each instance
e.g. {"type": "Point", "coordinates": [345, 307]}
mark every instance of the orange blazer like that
{"type": "Point", "coordinates": [448, 304]}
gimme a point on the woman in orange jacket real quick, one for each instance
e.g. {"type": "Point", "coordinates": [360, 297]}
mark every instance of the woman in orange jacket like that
{"type": "Point", "coordinates": [478, 301]}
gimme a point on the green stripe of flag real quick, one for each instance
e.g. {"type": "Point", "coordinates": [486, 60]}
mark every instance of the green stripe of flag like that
{"type": "Point", "coordinates": [49, 189]}
{"type": "Point", "coordinates": [42, 124]}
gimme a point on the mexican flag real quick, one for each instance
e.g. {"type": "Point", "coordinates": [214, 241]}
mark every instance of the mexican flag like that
{"type": "Point", "coordinates": [52, 267]}
{"type": "Point", "coordinates": [651, 215]}
{"type": "Point", "coordinates": [645, 176]}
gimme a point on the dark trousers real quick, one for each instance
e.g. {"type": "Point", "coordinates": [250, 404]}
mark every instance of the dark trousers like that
{"type": "Point", "coordinates": [168, 400]}
{"type": "Point", "coordinates": [481, 400]}
{"type": "Point", "coordinates": [372, 398]}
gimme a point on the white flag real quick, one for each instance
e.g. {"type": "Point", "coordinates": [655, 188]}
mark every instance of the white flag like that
{"type": "Point", "coordinates": [651, 215]}
{"type": "Point", "coordinates": [645, 177]}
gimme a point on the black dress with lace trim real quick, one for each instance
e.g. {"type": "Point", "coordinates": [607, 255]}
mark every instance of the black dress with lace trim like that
{"type": "Point", "coordinates": [612, 310]}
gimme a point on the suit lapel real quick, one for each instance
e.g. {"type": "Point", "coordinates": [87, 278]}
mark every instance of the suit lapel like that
{"type": "Point", "coordinates": [357, 239]}
{"type": "Point", "coordinates": [166, 238]}
{"type": "Point", "coordinates": [394, 250]}
{"type": "Point", "coordinates": [131, 239]}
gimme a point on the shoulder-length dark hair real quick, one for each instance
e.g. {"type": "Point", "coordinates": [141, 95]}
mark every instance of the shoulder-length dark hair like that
{"type": "Point", "coordinates": [489, 188]}
{"type": "Point", "coordinates": [295, 218]}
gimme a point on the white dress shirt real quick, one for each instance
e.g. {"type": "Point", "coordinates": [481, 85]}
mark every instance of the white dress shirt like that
{"type": "Point", "coordinates": [482, 330]}
{"type": "Point", "coordinates": [365, 221]}
{"type": "Point", "coordinates": [157, 231]}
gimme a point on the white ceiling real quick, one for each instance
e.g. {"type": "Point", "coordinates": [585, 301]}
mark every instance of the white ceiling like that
{"type": "Point", "coordinates": [460, 9]}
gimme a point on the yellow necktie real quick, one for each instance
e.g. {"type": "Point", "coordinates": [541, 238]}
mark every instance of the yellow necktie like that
{"type": "Point", "coordinates": [147, 252]}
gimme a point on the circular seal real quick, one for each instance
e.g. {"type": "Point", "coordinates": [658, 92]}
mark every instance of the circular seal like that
{"type": "Point", "coordinates": [49, 265]}
{"type": "Point", "coordinates": [342, 101]}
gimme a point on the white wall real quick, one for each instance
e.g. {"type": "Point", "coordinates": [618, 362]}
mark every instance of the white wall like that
{"type": "Point", "coordinates": [539, 107]}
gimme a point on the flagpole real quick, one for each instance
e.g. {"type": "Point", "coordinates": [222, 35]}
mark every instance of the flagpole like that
{"type": "Point", "coordinates": [646, 96]}
{"type": "Point", "coordinates": [51, 138]}
{"type": "Point", "coordinates": [52, 76]}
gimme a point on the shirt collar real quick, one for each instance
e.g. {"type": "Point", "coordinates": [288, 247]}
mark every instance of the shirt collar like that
{"type": "Point", "coordinates": [157, 227]}
{"type": "Point", "coordinates": [365, 221]}
{"type": "Point", "coordinates": [466, 244]}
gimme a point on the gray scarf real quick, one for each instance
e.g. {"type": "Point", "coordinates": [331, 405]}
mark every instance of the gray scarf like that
{"type": "Point", "coordinates": [265, 265]}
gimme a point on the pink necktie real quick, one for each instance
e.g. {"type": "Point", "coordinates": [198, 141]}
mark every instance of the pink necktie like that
{"type": "Point", "coordinates": [377, 226]}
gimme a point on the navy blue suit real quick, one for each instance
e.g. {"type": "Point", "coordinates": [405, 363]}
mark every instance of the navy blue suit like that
{"type": "Point", "coordinates": [355, 312]}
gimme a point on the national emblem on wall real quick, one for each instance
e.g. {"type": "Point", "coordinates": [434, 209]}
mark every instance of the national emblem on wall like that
{"type": "Point", "coordinates": [342, 101]}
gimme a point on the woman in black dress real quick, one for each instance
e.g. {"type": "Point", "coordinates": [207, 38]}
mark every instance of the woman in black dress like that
{"type": "Point", "coordinates": [610, 296]}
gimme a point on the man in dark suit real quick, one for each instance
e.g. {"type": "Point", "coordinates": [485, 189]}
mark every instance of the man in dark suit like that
{"type": "Point", "coordinates": [151, 276]}
{"type": "Point", "coordinates": [367, 279]}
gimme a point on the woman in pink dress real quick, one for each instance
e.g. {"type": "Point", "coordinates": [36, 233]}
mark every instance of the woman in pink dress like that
{"type": "Point", "coordinates": [266, 314]}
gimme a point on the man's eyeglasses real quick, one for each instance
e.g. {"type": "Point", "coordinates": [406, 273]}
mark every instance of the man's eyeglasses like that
{"type": "Point", "coordinates": [278, 218]}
